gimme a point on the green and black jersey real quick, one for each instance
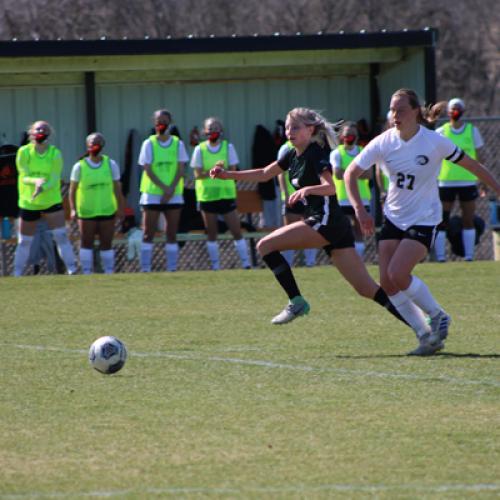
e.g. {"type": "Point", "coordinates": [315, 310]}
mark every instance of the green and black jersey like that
{"type": "Point", "coordinates": [305, 170]}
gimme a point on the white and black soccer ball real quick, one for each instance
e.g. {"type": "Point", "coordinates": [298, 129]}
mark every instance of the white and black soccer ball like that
{"type": "Point", "coordinates": [107, 355]}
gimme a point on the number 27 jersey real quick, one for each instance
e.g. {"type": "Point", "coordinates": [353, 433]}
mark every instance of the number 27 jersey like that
{"type": "Point", "coordinates": [413, 167]}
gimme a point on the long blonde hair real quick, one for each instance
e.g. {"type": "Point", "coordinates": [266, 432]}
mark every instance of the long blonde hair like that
{"type": "Point", "coordinates": [324, 131]}
{"type": "Point", "coordinates": [428, 115]}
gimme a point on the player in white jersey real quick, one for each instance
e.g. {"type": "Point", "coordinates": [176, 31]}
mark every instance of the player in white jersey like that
{"type": "Point", "coordinates": [411, 155]}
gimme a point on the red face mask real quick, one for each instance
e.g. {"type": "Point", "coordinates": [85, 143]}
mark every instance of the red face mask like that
{"type": "Point", "coordinates": [213, 136]}
{"type": "Point", "coordinates": [94, 150]}
{"type": "Point", "coordinates": [40, 137]}
{"type": "Point", "coordinates": [349, 139]}
{"type": "Point", "coordinates": [161, 128]}
{"type": "Point", "coordinates": [456, 114]}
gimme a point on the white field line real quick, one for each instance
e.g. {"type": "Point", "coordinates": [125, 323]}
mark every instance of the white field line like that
{"type": "Point", "coordinates": [300, 488]}
{"type": "Point", "coordinates": [346, 372]}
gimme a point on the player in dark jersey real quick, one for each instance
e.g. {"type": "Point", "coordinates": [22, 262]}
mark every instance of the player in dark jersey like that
{"type": "Point", "coordinates": [324, 225]}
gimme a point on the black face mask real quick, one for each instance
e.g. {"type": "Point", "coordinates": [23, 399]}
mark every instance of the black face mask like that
{"type": "Point", "coordinates": [456, 114]}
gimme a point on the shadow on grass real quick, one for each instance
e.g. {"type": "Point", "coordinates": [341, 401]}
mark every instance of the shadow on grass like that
{"type": "Point", "coordinates": [368, 356]}
{"type": "Point", "coordinates": [438, 354]}
{"type": "Point", "coordinates": [466, 355]}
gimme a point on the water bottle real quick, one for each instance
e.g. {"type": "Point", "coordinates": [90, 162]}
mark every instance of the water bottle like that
{"type": "Point", "coordinates": [6, 228]}
{"type": "Point", "coordinates": [494, 218]}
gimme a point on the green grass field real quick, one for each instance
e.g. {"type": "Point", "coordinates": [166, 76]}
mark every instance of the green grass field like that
{"type": "Point", "coordinates": [215, 402]}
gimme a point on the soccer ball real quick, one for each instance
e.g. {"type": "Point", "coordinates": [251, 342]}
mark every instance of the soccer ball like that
{"type": "Point", "coordinates": [107, 354]}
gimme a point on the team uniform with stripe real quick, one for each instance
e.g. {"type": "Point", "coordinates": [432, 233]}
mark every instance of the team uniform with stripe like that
{"type": "Point", "coordinates": [322, 213]}
{"type": "Point", "coordinates": [413, 167]}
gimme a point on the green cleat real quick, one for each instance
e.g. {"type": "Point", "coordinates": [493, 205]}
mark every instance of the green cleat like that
{"type": "Point", "coordinates": [295, 308]}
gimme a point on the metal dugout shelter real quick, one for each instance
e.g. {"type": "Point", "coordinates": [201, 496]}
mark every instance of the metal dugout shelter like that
{"type": "Point", "coordinates": [114, 85]}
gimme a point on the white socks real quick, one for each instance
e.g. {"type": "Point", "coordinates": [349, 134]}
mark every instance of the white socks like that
{"type": "Point", "coordinates": [171, 256]}
{"type": "Point", "coordinates": [310, 256]}
{"type": "Point", "coordinates": [65, 248]}
{"type": "Point", "coordinates": [146, 256]}
{"type": "Point", "coordinates": [440, 246]}
{"type": "Point", "coordinates": [213, 253]}
{"type": "Point", "coordinates": [420, 294]}
{"type": "Point", "coordinates": [410, 312]}
{"type": "Point", "coordinates": [359, 246]}
{"type": "Point", "coordinates": [241, 247]}
{"type": "Point", "coordinates": [108, 261]}
{"type": "Point", "coordinates": [22, 253]}
{"type": "Point", "coordinates": [469, 239]}
{"type": "Point", "coordinates": [87, 260]}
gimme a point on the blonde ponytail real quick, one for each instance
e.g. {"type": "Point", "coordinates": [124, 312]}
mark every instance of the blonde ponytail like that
{"type": "Point", "coordinates": [324, 131]}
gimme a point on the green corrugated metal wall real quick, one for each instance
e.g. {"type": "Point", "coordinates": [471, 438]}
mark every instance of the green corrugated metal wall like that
{"type": "Point", "coordinates": [62, 106]}
{"type": "Point", "coordinates": [407, 73]}
{"type": "Point", "coordinates": [126, 99]}
{"type": "Point", "coordinates": [240, 105]}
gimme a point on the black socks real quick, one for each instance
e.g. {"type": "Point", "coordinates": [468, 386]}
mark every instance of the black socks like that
{"type": "Point", "coordinates": [279, 266]}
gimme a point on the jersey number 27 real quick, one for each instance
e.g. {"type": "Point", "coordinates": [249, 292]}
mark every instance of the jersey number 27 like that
{"type": "Point", "coordinates": [405, 181]}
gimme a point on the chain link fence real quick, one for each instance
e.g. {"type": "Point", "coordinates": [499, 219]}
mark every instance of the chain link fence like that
{"type": "Point", "coordinates": [194, 256]}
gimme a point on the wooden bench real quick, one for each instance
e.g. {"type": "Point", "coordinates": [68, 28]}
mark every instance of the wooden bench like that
{"type": "Point", "coordinates": [251, 236]}
{"type": "Point", "coordinates": [248, 203]}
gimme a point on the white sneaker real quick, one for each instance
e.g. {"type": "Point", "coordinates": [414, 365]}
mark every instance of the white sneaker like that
{"type": "Point", "coordinates": [427, 346]}
{"type": "Point", "coordinates": [439, 326]}
{"type": "Point", "coordinates": [295, 308]}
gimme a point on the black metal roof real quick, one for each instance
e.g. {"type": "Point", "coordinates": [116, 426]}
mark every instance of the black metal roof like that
{"type": "Point", "coordinates": [192, 44]}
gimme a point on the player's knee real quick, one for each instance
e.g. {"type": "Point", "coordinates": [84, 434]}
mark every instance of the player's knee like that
{"type": "Point", "coordinates": [87, 243]}
{"type": "Point", "coordinates": [468, 221]}
{"type": "Point", "coordinates": [263, 246]}
{"type": "Point", "coordinates": [388, 286]}
{"type": "Point", "coordinates": [397, 278]}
